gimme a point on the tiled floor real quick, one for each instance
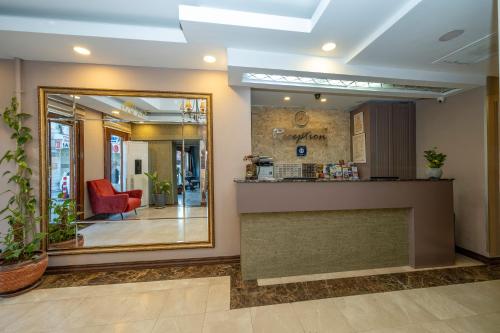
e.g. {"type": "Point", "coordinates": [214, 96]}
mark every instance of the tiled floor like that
{"type": "Point", "coordinates": [202, 305]}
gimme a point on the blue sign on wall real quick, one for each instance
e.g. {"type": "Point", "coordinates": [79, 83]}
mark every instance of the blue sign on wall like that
{"type": "Point", "coordinates": [301, 151]}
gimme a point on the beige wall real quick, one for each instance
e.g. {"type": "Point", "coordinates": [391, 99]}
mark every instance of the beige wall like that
{"type": "Point", "coordinates": [7, 90]}
{"type": "Point", "coordinates": [231, 137]}
{"type": "Point", "coordinates": [151, 132]}
{"type": "Point", "coordinates": [335, 148]}
{"type": "Point", "coordinates": [93, 153]}
{"type": "Point", "coordinates": [457, 128]}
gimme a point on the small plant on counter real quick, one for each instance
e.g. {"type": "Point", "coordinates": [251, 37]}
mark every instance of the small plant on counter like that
{"type": "Point", "coordinates": [435, 161]}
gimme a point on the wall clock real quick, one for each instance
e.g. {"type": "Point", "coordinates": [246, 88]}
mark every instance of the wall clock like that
{"type": "Point", "coordinates": [301, 118]}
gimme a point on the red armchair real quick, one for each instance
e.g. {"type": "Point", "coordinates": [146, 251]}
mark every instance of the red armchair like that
{"type": "Point", "coordinates": [104, 199]}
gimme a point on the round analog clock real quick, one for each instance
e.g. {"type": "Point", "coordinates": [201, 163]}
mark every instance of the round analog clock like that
{"type": "Point", "coordinates": [301, 118]}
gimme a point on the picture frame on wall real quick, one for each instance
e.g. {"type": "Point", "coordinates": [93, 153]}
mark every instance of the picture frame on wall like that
{"type": "Point", "coordinates": [359, 148]}
{"type": "Point", "coordinates": [359, 126]}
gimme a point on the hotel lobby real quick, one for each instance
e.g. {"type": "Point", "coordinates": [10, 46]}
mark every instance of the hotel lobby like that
{"type": "Point", "coordinates": [249, 166]}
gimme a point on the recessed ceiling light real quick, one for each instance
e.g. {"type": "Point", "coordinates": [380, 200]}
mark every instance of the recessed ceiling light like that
{"type": "Point", "coordinates": [209, 58]}
{"type": "Point", "coordinates": [451, 35]}
{"type": "Point", "coordinates": [323, 100]}
{"type": "Point", "coordinates": [286, 98]}
{"type": "Point", "coordinates": [327, 47]}
{"type": "Point", "coordinates": [81, 50]}
{"type": "Point", "coordinates": [115, 112]}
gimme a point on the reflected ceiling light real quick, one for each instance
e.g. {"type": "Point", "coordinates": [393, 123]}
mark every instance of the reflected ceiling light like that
{"type": "Point", "coordinates": [141, 122]}
{"type": "Point", "coordinates": [323, 100]}
{"type": "Point", "coordinates": [115, 112]}
{"type": "Point", "coordinates": [327, 47]}
{"type": "Point", "coordinates": [287, 98]}
{"type": "Point", "coordinates": [209, 58]}
{"type": "Point", "coordinates": [451, 35]}
{"type": "Point", "coordinates": [74, 96]}
{"type": "Point", "coordinates": [81, 50]}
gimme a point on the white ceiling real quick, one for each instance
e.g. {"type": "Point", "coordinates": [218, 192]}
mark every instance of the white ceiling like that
{"type": "Point", "coordinates": [389, 40]}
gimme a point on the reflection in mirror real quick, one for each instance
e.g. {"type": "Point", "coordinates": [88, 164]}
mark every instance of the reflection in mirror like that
{"type": "Point", "coordinates": [126, 170]}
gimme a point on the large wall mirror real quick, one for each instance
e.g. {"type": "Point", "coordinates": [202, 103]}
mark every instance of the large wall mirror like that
{"type": "Point", "coordinates": [125, 170]}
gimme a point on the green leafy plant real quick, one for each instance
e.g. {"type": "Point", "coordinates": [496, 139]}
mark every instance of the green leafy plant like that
{"type": "Point", "coordinates": [434, 159]}
{"type": "Point", "coordinates": [159, 186]}
{"type": "Point", "coordinates": [65, 216]}
{"type": "Point", "coordinates": [22, 240]}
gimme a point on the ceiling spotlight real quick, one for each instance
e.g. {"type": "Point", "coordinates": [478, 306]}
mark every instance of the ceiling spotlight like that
{"type": "Point", "coordinates": [115, 112]}
{"type": "Point", "coordinates": [209, 58]}
{"type": "Point", "coordinates": [286, 98]}
{"type": "Point", "coordinates": [81, 50]}
{"type": "Point", "coordinates": [327, 47]}
{"type": "Point", "coordinates": [451, 35]}
{"type": "Point", "coordinates": [323, 100]}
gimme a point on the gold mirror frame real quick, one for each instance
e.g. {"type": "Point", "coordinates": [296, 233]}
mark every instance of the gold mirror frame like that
{"type": "Point", "coordinates": [43, 92]}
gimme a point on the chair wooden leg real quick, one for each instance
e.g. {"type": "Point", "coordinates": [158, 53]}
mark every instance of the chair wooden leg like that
{"type": "Point", "coordinates": [135, 210]}
{"type": "Point", "coordinates": [121, 215]}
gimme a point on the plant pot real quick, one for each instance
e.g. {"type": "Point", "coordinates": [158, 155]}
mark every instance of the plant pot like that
{"type": "Point", "coordinates": [434, 173]}
{"type": "Point", "coordinates": [160, 199]}
{"type": "Point", "coordinates": [20, 276]}
{"type": "Point", "coordinates": [69, 244]}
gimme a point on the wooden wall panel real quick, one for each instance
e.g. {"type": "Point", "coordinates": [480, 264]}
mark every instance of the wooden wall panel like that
{"type": "Point", "coordinates": [403, 140]}
{"type": "Point", "coordinates": [493, 167]}
{"type": "Point", "coordinates": [390, 129]}
{"type": "Point", "coordinates": [381, 138]}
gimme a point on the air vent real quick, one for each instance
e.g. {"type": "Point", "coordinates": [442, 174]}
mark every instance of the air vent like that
{"type": "Point", "coordinates": [472, 53]}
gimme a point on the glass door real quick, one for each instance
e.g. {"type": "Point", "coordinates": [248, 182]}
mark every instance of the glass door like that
{"type": "Point", "coordinates": [114, 157]}
{"type": "Point", "coordinates": [61, 157]}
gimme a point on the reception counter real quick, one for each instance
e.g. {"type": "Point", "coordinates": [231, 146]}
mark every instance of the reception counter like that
{"type": "Point", "coordinates": [307, 227]}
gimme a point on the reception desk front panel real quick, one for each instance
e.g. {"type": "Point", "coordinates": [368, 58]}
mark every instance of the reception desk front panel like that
{"type": "Point", "coordinates": [295, 228]}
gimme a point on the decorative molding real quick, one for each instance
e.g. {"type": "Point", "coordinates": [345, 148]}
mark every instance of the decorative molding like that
{"type": "Point", "coordinates": [117, 266]}
{"type": "Point", "coordinates": [477, 256]}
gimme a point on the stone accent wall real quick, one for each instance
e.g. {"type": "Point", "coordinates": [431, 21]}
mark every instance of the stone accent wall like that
{"type": "Point", "coordinates": [336, 147]}
{"type": "Point", "coordinates": [300, 243]}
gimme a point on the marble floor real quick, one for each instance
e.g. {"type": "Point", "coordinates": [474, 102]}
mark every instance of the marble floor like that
{"type": "Point", "coordinates": [460, 261]}
{"type": "Point", "coordinates": [203, 305]}
{"type": "Point", "coordinates": [171, 224]}
{"type": "Point", "coordinates": [149, 231]}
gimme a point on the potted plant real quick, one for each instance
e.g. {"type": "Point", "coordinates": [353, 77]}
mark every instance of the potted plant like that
{"type": "Point", "coordinates": [22, 263]}
{"type": "Point", "coordinates": [435, 161]}
{"type": "Point", "coordinates": [161, 188]}
{"type": "Point", "coordinates": [62, 232]}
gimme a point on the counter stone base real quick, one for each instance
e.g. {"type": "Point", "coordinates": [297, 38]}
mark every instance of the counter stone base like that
{"type": "Point", "coordinates": [300, 243]}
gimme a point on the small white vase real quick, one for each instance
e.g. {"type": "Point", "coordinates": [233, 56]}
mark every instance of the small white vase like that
{"type": "Point", "coordinates": [434, 173]}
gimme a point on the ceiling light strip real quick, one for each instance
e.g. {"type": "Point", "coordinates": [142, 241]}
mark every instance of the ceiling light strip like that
{"type": "Point", "coordinates": [338, 84]}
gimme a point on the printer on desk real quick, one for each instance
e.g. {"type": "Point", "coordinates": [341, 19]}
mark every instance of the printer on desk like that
{"type": "Point", "coordinates": [265, 167]}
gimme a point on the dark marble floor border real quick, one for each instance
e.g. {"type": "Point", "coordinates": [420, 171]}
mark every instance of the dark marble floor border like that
{"type": "Point", "coordinates": [248, 293]}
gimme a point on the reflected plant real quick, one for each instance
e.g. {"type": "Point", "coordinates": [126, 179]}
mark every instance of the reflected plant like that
{"type": "Point", "coordinates": [66, 215]}
{"type": "Point", "coordinates": [159, 186]}
{"type": "Point", "coordinates": [22, 240]}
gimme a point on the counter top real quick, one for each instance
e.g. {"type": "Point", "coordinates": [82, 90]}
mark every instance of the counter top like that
{"type": "Point", "coordinates": [325, 180]}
